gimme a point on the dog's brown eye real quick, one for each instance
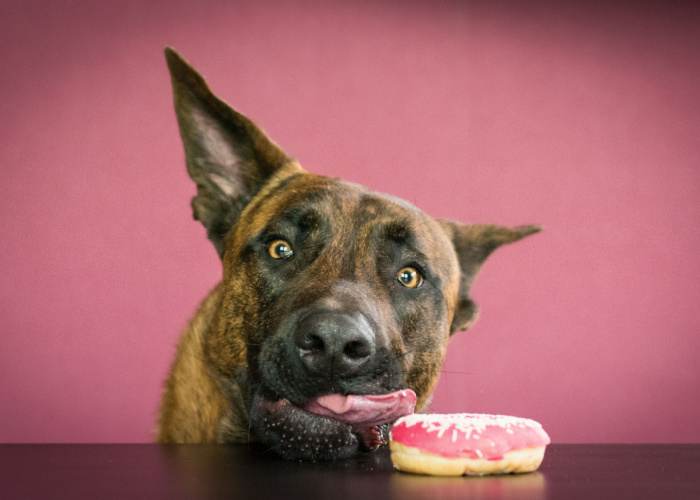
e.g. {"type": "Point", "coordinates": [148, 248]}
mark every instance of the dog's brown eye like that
{"type": "Point", "coordinates": [280, 249]}
{"type": "Point", "coordinates": [410, 277]}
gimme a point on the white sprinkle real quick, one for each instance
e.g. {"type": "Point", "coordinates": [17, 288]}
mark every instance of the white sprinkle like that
{"type": "Point", "coordinates": [454, 435]}
{"type": "Point", "coordinates": [479, 454]}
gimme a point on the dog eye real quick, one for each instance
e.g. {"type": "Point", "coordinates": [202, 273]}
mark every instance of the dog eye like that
{"type": "Point", "coordinates": [410, 277]}
{"type": "Point", "coordinates": [280, 249]}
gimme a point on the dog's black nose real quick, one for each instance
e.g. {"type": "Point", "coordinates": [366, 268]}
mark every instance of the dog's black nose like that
{"type": "Point", "coordinates": [334, 343]}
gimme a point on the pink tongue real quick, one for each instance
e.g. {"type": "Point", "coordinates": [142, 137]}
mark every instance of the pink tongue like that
{"type": "Point", "coordinates": [364, 410]}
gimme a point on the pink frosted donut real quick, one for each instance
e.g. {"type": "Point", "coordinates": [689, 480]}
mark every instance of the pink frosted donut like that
{"type": "Point", "coordinates": [466, 443]}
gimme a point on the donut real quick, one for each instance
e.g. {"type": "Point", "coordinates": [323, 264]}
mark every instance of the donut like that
{"type": "Point", "coordinates": [466, 443]}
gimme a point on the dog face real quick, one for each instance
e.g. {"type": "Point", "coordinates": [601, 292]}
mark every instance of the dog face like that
{"type": "Point", "coordinates": [348, 287]}
{"type": "Point", "coordinates": [336, 290]}
{"type": "Point", "coordinates": [328, 288]}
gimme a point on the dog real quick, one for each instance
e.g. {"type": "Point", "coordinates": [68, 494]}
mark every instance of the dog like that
{"type": "Point", "coordinates": [331, 295]}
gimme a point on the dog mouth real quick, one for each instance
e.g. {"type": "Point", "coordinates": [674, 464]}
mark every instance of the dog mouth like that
{"type": "Point", "coordinates": [329, 427]}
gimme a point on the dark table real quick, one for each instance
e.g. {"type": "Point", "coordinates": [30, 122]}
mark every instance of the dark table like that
{"type": "Point", "coordinates": [102, 471]}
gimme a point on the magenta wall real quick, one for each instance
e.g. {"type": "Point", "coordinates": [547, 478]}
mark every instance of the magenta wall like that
{"type": "Point", "coordinates": [582, 117]}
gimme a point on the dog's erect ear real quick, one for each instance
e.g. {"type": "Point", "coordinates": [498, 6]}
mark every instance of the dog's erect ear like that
{"type": "Point", "coordinates": [473, 244]}
{"type": "Point", "coordinates": [227, 155]}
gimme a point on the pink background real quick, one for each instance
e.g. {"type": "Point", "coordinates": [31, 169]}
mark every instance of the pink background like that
{"type": "Point", "coordinates": [579, 116]}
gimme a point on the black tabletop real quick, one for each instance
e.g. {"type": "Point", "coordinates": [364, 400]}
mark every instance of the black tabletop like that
{"type": "Point", "coordinates": [103, 471]}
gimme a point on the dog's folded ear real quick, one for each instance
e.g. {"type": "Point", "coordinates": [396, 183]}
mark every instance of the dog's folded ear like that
{"type": "Point", "coordinates": [228, 156]}
{"type": "Point", "coordinates": [473, 244]}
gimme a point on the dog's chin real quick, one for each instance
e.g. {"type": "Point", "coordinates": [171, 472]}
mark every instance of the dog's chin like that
{"type": "Point", "coordinates": [296, 434]}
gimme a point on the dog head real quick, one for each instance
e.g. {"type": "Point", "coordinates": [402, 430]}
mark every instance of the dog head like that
{"type": "Point", "coordinates": [329, 290]}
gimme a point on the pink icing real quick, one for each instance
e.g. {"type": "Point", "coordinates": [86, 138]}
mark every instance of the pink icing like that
{"type": "Point", "coordinates": [469, 435]}
{"type": "Point", "coordinates": [375, 409]}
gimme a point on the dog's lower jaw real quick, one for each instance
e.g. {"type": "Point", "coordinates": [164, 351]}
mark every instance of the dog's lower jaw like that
{"type": "Point", "coordinates": [295, 434]}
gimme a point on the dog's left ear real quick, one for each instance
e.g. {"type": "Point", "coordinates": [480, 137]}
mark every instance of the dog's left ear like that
{"type": "Point", "coordinates": [228, 156]}
{"type": "Point", "coordinates": [473, 244]}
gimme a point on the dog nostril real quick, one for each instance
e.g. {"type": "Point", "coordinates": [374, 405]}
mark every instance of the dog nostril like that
{"type": "Point", "coordinates": [316, 343]}
{"type": "Point", "coordinates": [357, 350]}
{"type": "Point", "coordinates": [312, 343]}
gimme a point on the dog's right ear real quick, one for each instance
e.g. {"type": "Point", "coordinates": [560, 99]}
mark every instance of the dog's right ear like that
{"type": "Point", "coordinates": [228, 156]}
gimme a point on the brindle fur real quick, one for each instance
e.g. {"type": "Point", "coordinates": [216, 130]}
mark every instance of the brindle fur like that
{"type": "Point", "coordinates": [351, 242]}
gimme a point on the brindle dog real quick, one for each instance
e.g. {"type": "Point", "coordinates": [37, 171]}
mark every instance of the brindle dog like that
{"type": "Point", "coordinates": [328, 288]}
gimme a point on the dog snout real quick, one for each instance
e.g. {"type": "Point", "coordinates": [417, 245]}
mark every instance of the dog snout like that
{"type": "Point", "coordinates": [332, 343]}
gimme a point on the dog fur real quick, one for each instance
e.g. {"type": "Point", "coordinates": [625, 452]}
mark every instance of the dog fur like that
{"type": "Point", "coordinates": [237, 372]}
